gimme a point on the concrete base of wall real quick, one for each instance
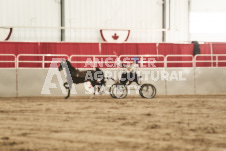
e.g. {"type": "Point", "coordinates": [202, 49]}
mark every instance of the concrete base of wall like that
{"type": "Point", "coordinates": [170, 81]}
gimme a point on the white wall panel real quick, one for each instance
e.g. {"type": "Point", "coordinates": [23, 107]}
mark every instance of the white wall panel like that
{"type": "Point", "coordinates": [208, 20]}
{"type": "Point", "coordinates": [8, 83]}
{"type": "Point", "coordinates": [154, 77]}
{"type": "Point", "coordinates": [143, 17]}
{"type": "Point", "coordinates": [210, 80]}
{"type": "Point", "coordinates": [32, 81]}
{"type": "Point", "coordinates": [113, 14]}
{"type": "Point", "coordinates": [208, 5]}
{"type": "Point", "coordinates": [31, 13]}
{"type": "Point", "coordinates": [200, 81]}
{"type": "Point", "coordinates": [98, 14]}
{"type": "Point", "coordinates": [217, 37]}
{"type": "Point", "coordinates": [179, 21]}
{"type": "Point", "coordinates": [180, 86]}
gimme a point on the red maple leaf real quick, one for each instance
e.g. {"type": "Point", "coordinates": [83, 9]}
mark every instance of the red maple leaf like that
{"type": "Point", "coordinates": [115, 36]}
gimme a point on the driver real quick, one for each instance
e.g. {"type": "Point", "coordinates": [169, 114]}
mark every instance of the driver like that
{"type": "Point", "coordinates": [130, 74]}
{"type": "Point", "coordinates": [134, 67]}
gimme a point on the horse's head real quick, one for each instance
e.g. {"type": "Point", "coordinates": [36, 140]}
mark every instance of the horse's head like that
{"type": "Point", "coordinates": [62, 64]}
{"type": "Point", "coordinates": [66, 64]}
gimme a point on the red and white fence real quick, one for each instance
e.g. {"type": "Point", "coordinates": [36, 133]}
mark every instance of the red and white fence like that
{"type": "Point", "coordinates": [38, 60]}
{"type": "Point", "coordinates": [112, 61]}
{"type": "Point", "coordinates": [21, 79]}
{"type": "Point", "coordinates": [8, 60]}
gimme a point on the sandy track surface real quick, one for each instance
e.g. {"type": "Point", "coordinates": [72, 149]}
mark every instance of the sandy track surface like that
{"type": "Point", "coordinates": [102, 123]}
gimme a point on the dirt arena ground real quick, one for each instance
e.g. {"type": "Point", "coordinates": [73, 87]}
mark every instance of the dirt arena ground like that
{"type": "Point", "coordinates": [102, 123]}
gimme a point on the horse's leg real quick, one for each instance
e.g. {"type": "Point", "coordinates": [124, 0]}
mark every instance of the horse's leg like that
{"type": "Point", "coordinates": [101, 89]}
{"type": "Point", "coordinates": [94, 90]}
{"type": "Point", "coordinates": [129, 82]}
{"type": "Point", "coordinates": [68, 95]}
{"type": "Point", "coordinates": [69, 91]}
{"type": "Point", "coordinates": [65, 85]}
{"type": "Point", "coordinates": [98, 89]}
{"type": "Point", "coordinates": [136, 79]}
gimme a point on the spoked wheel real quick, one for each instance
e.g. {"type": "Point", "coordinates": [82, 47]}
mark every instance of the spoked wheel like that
{"type": "Point", "coordinates": [111, 93]}
{"type": "Point", "coordinates": [118, 91]}
{"type": "Point", "coordinates": [147, 91]}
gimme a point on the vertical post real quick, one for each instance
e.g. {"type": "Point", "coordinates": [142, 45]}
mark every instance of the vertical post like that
{"type": "Point", "coordinates": [43, 61]}
{"type": "Point", "coordinates": [118, 60]}
{"type": "Point", "coordinates": [189, 12]}
{"type": "Point", "coordinates": [194, 61]}
{"type": "Point", "coordinates": [157, 52]}
{"type": "Point", "coordinates": [194, 70]}
{"type": "Point", "coordinates": [157, 48]}
{"type": "Point", "coordinates": [169, 15]}
{"type": "Point", "coordinates": [16, 82]}
{"type": "Point", "coordinates": [16, 67]}
{"type": "Point", "coordinates": [62, 19]}
{"type": "Point", "coordinates": [68, 58]}
{"type": "Point", "coordinates": [217, 60]}
{"type": "Point", "coordinates": [165, 68]}
{"type": "Point", "coordinates": [166, 18]}
{"type": "Point", "coordinates": [17, 62]}
{"type": "Point", "coordinates": [142, 62]}
{"type": "Point", "coordinates": [165, 62]}
{"type": "Point", "coordinates": [94, 61]}
{"type": "Point", "coordinates": [100, 48]}
{"type": "Point", "coordinates": [211, 51]}
{"type": "Point", "coordinates": [163, 20]}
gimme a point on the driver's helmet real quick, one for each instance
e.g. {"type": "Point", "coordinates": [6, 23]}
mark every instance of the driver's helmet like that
{"type": "Point", "coordinates": [136, 59]}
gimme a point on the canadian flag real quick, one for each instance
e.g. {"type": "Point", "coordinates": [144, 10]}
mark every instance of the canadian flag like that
{"type": "Point", "coordinates": [5, 33]}
{"type": "Point", "coordinates": [113, 35]}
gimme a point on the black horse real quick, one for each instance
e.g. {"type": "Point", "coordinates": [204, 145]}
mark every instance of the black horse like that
{"type": "Point", "coordinates": [96, 78]}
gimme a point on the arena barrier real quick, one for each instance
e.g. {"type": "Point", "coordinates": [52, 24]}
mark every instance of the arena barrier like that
{"type": "Point", "coordinates": [210, 80]}
{"type": "Point", "coordinates": [80, 61]}
{"type": "Point", "coordinates": [8, 83]}
{"type": "Point", "coordinates": [26, 81]}
{"type": "Point", "coordinates": [8, 76]}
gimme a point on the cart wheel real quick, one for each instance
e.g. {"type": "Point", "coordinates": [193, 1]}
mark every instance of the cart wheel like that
{"type": "Point", "coordinates": [147, 91]}
{"type": "Point", "coordinates": [118, 91]}
{"type": "Point", "coordinates": [111, 93]}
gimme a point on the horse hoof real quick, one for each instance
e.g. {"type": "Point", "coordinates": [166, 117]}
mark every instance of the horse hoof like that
{"type": "Point", "coordinates": [66, 97]}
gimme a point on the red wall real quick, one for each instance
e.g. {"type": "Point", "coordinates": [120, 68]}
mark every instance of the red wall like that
{"type": "Point", "coordinates": [128, 48]}
{"type": "Point", "coordinates": [44, 48]}
{"type": "Point", "coordinates": [109, 49]}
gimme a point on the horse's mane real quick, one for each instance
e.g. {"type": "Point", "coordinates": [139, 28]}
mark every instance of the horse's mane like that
{"type": "Point", "coordinates": [68, 63]}
{"type": "Point", "coordinates": [70, 66]}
